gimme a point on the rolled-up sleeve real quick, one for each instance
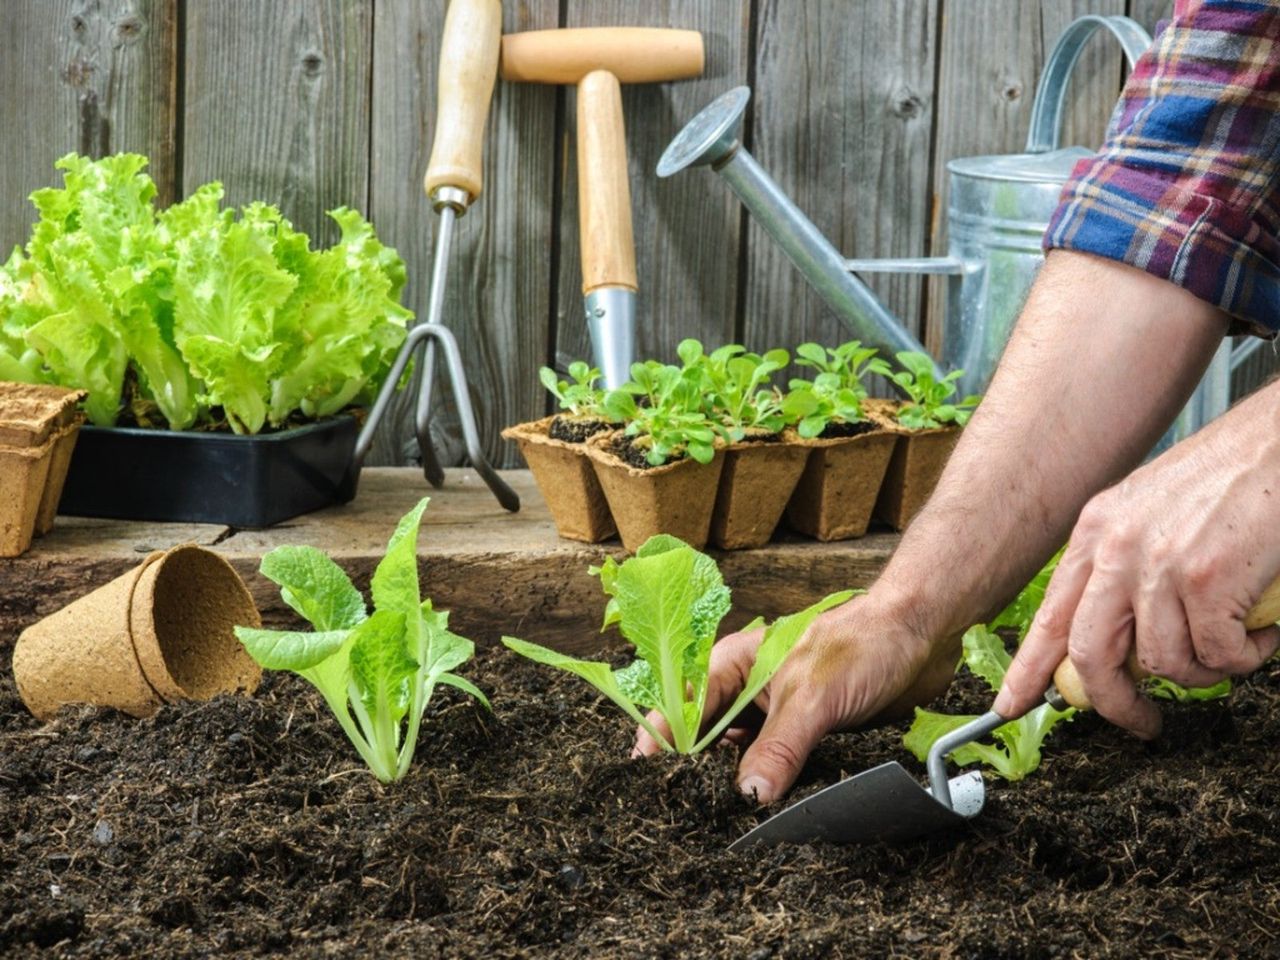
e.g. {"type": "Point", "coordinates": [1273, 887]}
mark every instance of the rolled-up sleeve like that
{"type": "Point", "coordinates": [1187, 183]}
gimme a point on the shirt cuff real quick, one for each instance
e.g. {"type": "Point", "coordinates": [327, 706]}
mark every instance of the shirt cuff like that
{"type": "Point", "coordinates": [1205, 246]}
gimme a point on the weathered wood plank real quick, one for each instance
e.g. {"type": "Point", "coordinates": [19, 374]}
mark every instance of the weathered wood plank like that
{"type": "Point", "coordinates": [686, 228]}
{"type": "Point", "coordinates": [992, 52]}
{"type": "Point", "coordinates": [276, 104]}
{"type": "Point", "coordinates": [497, 572]}
{"type": "Point", "coordinates": [1150, 12]}
{"type": "Point", "coordinates": [843, 109]}
{"type": "Point", "coordinates": [498, 299]}
{"type": "Point", "coordinates": [96, 76]}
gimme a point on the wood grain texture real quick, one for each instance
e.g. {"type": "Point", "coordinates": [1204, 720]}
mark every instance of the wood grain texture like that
{"type": "Point", "coordinates": [496, 572]}
{"type": "Point", "coordinates": [842, 116]}
{"type": "Point", "coordinates": [276, 105]}
{"type": "Point", "coordinates": [991, 55]}
{"type": "Point", "coordinates": [687, 229]}
{"type": "Point", "coordinates": [1150, 12]}
{"type": "Point", "coordinates": [498, 298]}
{"type": "Point", "coordinates": [95, 76]}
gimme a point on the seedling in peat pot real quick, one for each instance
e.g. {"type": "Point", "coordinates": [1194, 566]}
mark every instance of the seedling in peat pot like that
{"type": "Point", "coordinates": [668, 601]}
{"type": "Point", "coordinates": [928, 406]}
{"type": "Point", "coordinates": [836, 393]}
{"type": "Point", "coordinates": [670, 419]}
{"type": "Point", "coordinates": [737, 385]}
{"type": "Point", "coordinates": [376, 672]}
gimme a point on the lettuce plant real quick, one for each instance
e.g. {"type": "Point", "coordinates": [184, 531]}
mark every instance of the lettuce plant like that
{"type": "Point", "coordinates": [928, 396]}
{"type": "Point", "coordinates": [737, 385]}
{"type": "Point", "coordinates": [664, 409]}
{"type": "Point", "coordinates": [668, 601]}
{"type": "Point", "coordinates": [580, 395]}
{"type": "Point", "coordinates": [836, 392]}
{"type": "Point", "coordinates": [376, 672]}
{"type": "Point", "coordinates": [195, 316]}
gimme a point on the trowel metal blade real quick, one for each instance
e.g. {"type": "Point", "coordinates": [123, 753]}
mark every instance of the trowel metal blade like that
{"type": "Point", "coordinates": [884, 803]}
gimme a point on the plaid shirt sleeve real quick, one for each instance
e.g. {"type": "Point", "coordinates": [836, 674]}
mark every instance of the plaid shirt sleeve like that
{"type": "Point", "coordinates": [1187, 184]}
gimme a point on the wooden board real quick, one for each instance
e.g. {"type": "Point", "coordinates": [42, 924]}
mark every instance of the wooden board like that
{"type": "Point", "coordinates": [497, 572]}
{"type": "Point", "coordinates": [687, 229]}
{"type": "Point", "coordinates": [498, 301]}
{"type": "Point", "coordinates": [276, 105]}
{"type": "Point", "coordinates": [842, 119]}
{"type": "Point", "coordinates": [95, 76]}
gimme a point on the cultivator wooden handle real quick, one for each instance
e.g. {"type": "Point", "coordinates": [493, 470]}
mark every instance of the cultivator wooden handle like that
{"type": "Point", "coordinates": [468, 69]}
{"type": "Point", "coordinates": [1070, 691]}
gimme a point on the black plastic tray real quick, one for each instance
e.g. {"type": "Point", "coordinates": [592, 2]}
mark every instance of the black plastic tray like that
{"type": "Point", "coordinates": [167, 475]}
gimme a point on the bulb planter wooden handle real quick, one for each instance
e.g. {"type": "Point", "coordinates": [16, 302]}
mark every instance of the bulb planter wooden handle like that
{"type": "Point", "coordinates": [604, 210]}
{"type": "Point", "coordinates": [468, 69]}
{"type": "Point", "coordinates": [1070, 689]}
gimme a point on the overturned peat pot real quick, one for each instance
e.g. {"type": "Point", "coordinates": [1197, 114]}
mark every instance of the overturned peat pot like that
{"type": "Point", "coordinates": [247, 827]}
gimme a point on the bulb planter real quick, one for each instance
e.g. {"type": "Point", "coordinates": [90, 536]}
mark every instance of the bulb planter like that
{"type": "Point", "coordinates": [837, 491]}
{"type": "Point", "coordinates": [163, 632]}
{"type": "Point", "coordinates": [758, 479]}
{"type": "Point", "coordinates": [676, 498]}
{"type": "Point", "coordinates": [212, 477]}
{"type": "Point", "coordinates": [38, 429]}
{"type": "Point", "coordinates": [567, 480]}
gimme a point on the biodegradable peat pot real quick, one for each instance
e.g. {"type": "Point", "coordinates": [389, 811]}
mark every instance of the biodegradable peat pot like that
{"type": "Point", "coordinates": [676, 498]}
{"type": "Point", "coordinates": [837, 490]}
{"type": "Point", "coordinates": [64, 445]}
{"type": "Point", "coordinates": [758, 479]}
{"type": "Point", "coordinates": [38, 426]}
{"type": "Point", "coordinates": [30, 413]}
{"type": "Point", "coordinates": [568, 483]}
{"type": "Point", "coordinates": [914, 469]}
{"type": "Point", "coordinates": [23, 472]}
{"type": "Point", "coordinates": [205, 477]}
{"type": "Point", "coordinates": [160, 633]}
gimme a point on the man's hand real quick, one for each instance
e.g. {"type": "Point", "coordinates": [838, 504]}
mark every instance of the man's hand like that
{"type": "Point", "coordinates": [855, 664]}
{"type": "Point", "coordinates": [1167, 562]}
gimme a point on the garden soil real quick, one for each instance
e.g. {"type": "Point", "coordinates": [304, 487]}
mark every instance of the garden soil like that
{"type": "Point", "coordinates": [244, 827]}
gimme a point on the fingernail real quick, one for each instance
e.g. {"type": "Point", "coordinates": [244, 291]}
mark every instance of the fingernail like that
{"type": "Point", "coordinates": [756, 788]}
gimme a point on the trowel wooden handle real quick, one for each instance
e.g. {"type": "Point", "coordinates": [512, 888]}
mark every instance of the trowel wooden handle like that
{"type": "Point", "coordinates": [468, 68]}
{"type": "Point", "coordinates": [632, 54]}
{"type": "Point", "coordinates": [1067, 681]}
{"type": "Point", "coordinates": [604, 194]}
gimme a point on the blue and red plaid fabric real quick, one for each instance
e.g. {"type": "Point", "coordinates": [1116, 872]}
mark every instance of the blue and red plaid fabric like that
{"type": "Point", "coordinates": [1187, 184]}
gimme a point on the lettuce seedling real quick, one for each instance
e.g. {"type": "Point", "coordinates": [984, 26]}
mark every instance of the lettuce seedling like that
{"type": "Point", "coordinates": [836, 393]}
{"type": "Point", "coordinates": [668, 601]}
{"type": "Point", "coordinates": [583, 397]}
{"type": "Point", "coordinates": [376, 672]}
{"type": "Point", "coordinates": [928, 406]}
{"type": "Point", "coordinates": [737, 386]}
{"type": "Point", "coordinates": [664, 409]}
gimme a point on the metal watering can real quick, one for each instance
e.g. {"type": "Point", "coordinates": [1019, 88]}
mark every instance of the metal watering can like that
{"type": "Point", "coordinates": [999, 209]}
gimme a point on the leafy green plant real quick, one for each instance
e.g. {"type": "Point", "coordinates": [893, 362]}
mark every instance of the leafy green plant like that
{"type": "Point", "coordinates": [195, 316]}
{"type": "Point", "coordinates": [850, 361]}
{"type": "Point", "coordinates": [664, 410]}
{"type": "Point", "coordinates": [836, 392]}
{"type": "Point", "coordinates": [580, 395]}
{"type": "Point", "coordinates": [737, 386]}
{"type": "Point", "coordinates": [928, 406]}
{"type": "Point", "coordinates": [668, 601]}
{"type": "Point", "coordinates": [376, 672]}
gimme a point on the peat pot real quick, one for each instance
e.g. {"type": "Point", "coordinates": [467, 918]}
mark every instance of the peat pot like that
{"type": "Point", "coordinates": [195, 477]}
{"type": "Point", "coordinates": [567, 481]}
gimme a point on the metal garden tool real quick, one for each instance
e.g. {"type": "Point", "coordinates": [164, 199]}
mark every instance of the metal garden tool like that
{"type": "Point", "coordinates": [998, 211]}
{"type": "Point", "coordinates": [455, 173]}
{"type": "Point", "coordinates": [598, 60]}
{"type": "Point", "coordinates": [886, 803]}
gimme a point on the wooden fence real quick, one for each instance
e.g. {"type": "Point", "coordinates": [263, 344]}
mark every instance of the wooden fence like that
{"type": "Point", "coordinates": [857, 107]}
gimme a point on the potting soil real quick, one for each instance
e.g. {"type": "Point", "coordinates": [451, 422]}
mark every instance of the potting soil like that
{"type": "Point", "coordinates": [247, 827]}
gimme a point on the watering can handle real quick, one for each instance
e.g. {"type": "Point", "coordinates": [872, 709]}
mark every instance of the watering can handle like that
{"type": "Point", "coordinates": [1048, 108]}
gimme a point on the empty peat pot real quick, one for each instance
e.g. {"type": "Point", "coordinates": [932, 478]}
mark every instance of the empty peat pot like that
{"type": "Point", "coordinates": [162, 632]}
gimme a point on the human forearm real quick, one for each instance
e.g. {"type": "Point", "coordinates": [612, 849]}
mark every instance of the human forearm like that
{"type": "Point", "coordinates": [1101, 360]}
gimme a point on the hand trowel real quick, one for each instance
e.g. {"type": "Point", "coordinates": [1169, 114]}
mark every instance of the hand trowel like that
{"type": "Point", "coordinates": [886, 803]}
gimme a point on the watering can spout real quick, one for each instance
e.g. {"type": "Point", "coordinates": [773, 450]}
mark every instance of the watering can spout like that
{"type": "Point", "coordinates": [711, 138]}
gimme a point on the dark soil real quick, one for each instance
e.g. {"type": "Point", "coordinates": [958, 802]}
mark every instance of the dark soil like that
{"type": "Point", "coordinates": [632, 453]}
{"type": "Point", "coordinates": [576, 429]}
{"type": "Point", "coordinates": [244, 827]}
{"type": "Point", "coordinates": [837, 428]}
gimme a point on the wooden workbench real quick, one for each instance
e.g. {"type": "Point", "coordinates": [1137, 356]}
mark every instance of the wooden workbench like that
{"type": "Point", "coordinates": [497, 572]}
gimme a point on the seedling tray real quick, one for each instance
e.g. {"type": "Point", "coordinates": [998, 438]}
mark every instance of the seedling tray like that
{"type": "Point", "coordinates": [241, 481]}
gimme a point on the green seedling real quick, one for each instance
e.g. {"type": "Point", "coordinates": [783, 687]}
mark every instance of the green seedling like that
{"type": "Point", "coordinates": [664, 410]}
{"type": "Point", "coordinates": [668, 601]}
{"type": "Point", "coordinates": [836, 393]}
{"type": "Point", "coordinates": [376, 672]}
{"type": "Point", "coordinates": [928, 396]}
{"type": "Point", "coordinates": [737, 386]}
{"type": "Point", "coordinates": [580, 395]}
